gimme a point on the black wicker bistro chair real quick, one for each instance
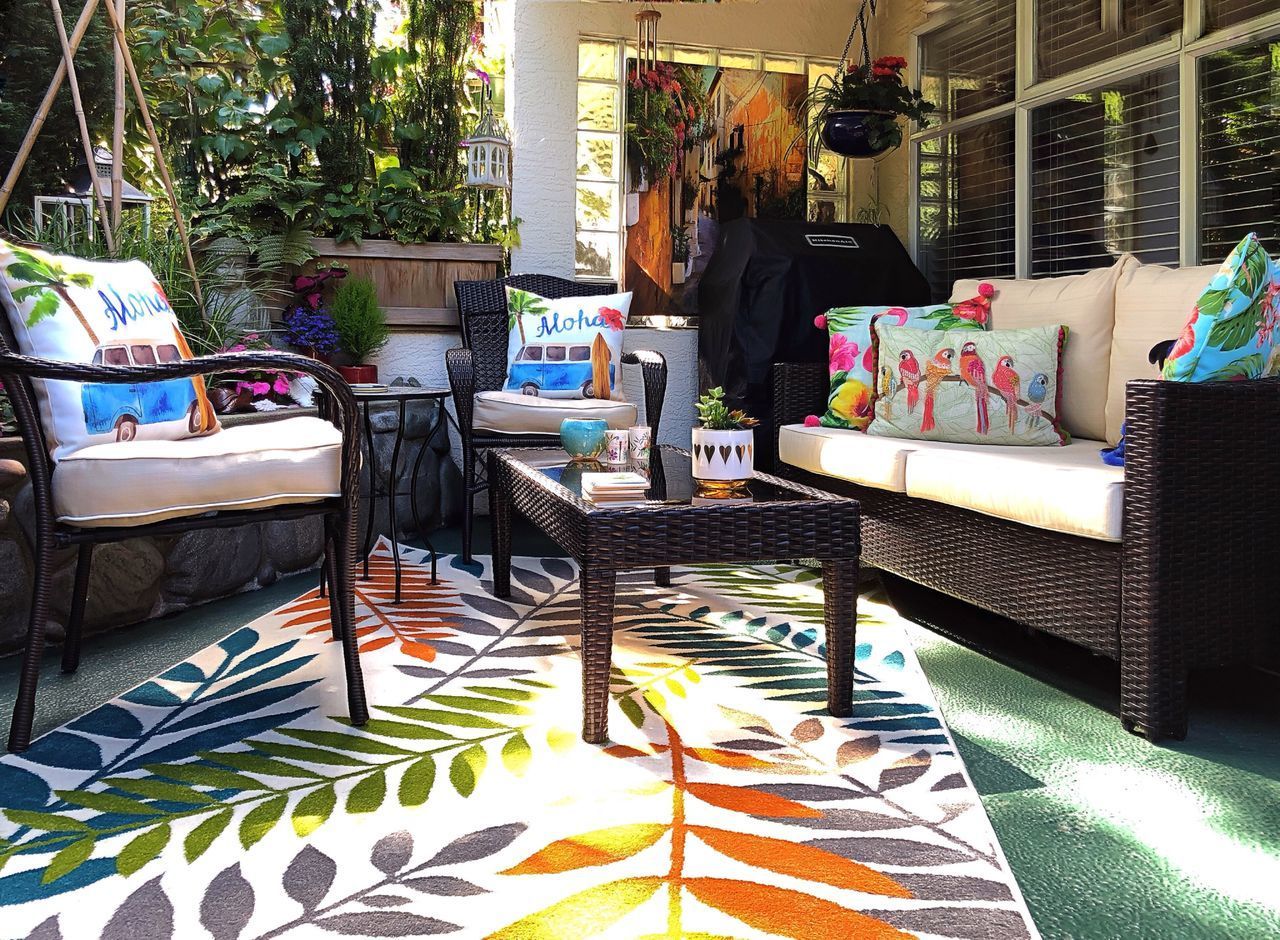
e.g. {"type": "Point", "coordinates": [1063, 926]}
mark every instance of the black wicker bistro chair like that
{"type": "Point", "coordinates": [51, 533]}
{"type": "Point", "coordinates": [480, 365]}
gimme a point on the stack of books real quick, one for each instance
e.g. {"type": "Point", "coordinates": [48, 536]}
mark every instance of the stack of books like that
{"type": "Point", "coordinates": [614, 489]}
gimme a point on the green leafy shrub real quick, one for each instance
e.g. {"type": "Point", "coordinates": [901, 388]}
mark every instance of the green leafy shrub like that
{"type": "Point", "coordinates": [360, 322]}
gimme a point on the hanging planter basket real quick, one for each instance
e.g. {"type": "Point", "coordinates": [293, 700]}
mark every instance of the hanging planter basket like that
{"type": "Point", "coordinates": [853, 134]}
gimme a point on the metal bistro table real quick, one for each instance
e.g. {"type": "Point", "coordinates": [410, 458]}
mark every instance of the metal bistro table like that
{"type": "Point", "coordinates": [399, 395]}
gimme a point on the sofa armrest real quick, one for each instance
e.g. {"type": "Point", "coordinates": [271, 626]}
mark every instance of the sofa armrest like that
{"type": "Point", "coordinates": [1201, 526]}
{"type": "Point", "coordinates": [460, 365]}
{"type": "Point", "coordinates": [653, 366]}
{"type": "Point", "coordinates": [799, 390]}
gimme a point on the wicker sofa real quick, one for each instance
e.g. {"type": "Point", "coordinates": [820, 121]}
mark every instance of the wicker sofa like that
{"type": "Point", "coordinates": [1165, 565]}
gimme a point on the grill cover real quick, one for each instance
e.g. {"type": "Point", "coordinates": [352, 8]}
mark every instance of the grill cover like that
{"type": "Point", "coordinates": [765, 284]}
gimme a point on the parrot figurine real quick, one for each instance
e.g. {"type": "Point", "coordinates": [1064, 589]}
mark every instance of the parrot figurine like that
{"type": "Point", "coordinates": [974, 371]}
{"type": "Point", "coordinates": [909, 372]}
{"type": "Point", "coordinates": [1037, 391]}
{"type": "Point", "coordinates": [1009, 385]}
{"type": "Point", "coordinates": [888, 385]}
{"type": "Point", "coordinates": [939, 368]}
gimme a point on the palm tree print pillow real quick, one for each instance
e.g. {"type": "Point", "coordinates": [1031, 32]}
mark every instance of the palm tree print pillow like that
{"type": "Point", "coordinates": [107, 313]}
{"type": "Point", "coordinates": [851, 357]}
{"type": "Point", "coordinates": [566, 348]}
{"type": "Point", "coordinates": [1231, 333]}
{"type": "Point", "coordinates": [1000, 387]}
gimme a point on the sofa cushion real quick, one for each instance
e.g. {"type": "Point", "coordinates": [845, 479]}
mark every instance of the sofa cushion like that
{"type": "Point", "coordinates": [1152, 305]}
{"type": "Point", "coordinates": [513, 413]}
{"type": "Point", "coordinates": [1085, 305]}
{"type": "Point", "coordinates": [848, 455]}
{"type": "Point", "coordinates": [1063, 489]}
{"type": "Point", "coordinates": [125, 483]}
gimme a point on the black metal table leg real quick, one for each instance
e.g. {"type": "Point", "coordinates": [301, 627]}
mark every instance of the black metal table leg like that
{"type": "Point", "coordinates": [413, 486]}
{"type": "Point", "coordinates": [393, 488]}
{"type": "Point", "coordinates": [373, 488]}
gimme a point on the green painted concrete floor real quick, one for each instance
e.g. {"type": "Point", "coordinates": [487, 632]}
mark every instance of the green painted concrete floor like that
{"type": "Point", "coordinates": [1109, 836]}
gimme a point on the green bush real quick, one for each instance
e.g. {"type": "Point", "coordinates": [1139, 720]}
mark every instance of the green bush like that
{"type": "Point", "coordinates": [361, 323]}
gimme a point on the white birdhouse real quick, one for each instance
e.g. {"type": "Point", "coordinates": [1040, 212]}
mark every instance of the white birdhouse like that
{"type": "Point", "coordinates": [488, 153]}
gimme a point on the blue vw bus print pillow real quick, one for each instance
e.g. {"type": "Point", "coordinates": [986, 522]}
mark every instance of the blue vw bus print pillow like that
{"type": "Point", "coordinates": [566, 348]}
{"type": "Point", "coordinates": [107, 313]}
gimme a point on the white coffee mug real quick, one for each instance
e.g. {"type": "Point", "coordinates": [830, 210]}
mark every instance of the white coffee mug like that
{"type": "Point", "coordinates": [615, 446]}
{"type": "Point", "coordinates": [641, 441]}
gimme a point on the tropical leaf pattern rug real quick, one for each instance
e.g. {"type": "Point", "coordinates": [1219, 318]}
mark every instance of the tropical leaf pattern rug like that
{"type": "Point", "coordinates": [230, 798]}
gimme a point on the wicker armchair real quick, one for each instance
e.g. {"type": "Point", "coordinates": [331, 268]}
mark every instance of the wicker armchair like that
{"type": "Point", "coordinates": [480, 365]}
{"type": "Point", "coordinates": [339, 512]}
{"type": "Point", "coordinates": [1189, 586]}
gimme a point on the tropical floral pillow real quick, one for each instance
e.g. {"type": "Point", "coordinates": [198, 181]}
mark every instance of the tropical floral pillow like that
{"type": "Point", "coordinates": [1232, 330]}
{"type": "Point", "coordinates": [103, 312]}
{"type": "Point", "coordinates": [1000, 387]}
{"type": "Point", "coordinates": [566, 348]}
{"type": "Point", "coordinates": [851, 357]}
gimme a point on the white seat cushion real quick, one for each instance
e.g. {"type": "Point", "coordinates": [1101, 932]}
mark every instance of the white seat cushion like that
{"type": "Point", "coordinates": [296, 460]}
{"type": "Point", "coordinates": [847, 455]}
{"type": "Point", "coordinates": [1063, 489]}
{"type": "Point", "coordinates": [513, 413]}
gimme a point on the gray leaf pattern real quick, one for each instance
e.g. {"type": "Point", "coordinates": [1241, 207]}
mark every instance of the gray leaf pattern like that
{"type": "Point", "coordinates": [228, 904]}
{"type": "Point", "coordinates": [309, 877]}
{"type": "Point", "coordinates": [392, 852]}
{"type": "Point", "coordinates": [477, 845]}
{"type": "Point", "coordinates": [147, 912]}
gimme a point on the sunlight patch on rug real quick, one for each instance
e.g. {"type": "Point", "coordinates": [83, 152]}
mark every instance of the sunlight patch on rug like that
{"type": "Point", "coordinates": [229, 797]}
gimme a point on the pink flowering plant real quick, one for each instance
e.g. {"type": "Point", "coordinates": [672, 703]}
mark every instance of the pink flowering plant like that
{"type": "Point", "coordinates": [666, 116]}
{"type": "Point", "coordinates": [261, 385]}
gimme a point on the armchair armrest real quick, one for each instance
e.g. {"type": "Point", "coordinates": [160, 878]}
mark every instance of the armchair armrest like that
{"type": "Point", "coordinates": [460, 364]}
{"type": "Point", "coordinates": [799, 389]}
{"type": "Point", "coordinates": [653, 366]}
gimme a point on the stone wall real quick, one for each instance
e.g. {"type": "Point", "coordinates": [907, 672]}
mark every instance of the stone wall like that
{"type": "Point", "coordinates": [138, 579]}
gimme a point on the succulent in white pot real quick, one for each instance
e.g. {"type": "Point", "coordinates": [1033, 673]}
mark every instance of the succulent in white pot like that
{"type": "Point", "coordinates": [723, 446]}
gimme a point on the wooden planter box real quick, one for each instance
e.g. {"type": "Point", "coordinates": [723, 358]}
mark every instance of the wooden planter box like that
{"type": "Point", "coordinates": [414, 282]}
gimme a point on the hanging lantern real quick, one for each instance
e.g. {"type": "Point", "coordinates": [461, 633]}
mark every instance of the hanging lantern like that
{"type": "Point", "coordinates": [647, 40]}
{"type": "Point", "coordinates": [488, 151]}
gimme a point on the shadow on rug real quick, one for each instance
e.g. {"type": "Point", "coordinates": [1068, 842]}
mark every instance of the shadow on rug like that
{"type": "Point", "coordinates": [229, 796]}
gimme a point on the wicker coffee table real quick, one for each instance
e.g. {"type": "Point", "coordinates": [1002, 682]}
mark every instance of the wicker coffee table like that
{"type": "Point", "coordinates": [779, 521]}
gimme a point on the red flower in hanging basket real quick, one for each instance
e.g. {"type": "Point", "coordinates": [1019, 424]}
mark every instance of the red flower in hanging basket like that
{"type": "Point", "coordinates": [894, 62]}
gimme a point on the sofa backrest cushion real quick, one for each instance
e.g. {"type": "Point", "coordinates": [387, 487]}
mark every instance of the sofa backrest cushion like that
{"type": "Point", "coordinates": [1085, 304]}
{"type": "Point", "coordinates": [1152, 305]}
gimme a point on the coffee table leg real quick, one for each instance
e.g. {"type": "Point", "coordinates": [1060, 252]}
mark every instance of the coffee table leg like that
{"type": "Point", "coordinates": [597, 586]}
{"type": "Point", "coordinates": [662, 577]}
{"type": "Point", "coordinates": [500, 528]}
{"type": "Point", "coordinates": [840, 589]}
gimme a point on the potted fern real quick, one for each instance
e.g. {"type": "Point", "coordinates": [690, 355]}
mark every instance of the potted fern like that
{"type": "Point", "coordinates": [723, 446]}
{"type": "Point", "coordinates": [361, 326]}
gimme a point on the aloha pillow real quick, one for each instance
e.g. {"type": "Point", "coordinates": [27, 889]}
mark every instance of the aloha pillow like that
{"type": "Point", "coordinates": [567, 348]}
{"type": "Point", "coordinates": [103, 312]}
{"type": "Point", "coordinates": [851, 355]}
{"type": "Point", "coordinates": [1001, 387]}
{"type": "Point", "coordinates": [1232, 330]}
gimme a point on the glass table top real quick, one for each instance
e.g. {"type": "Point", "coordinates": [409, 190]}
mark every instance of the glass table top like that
{"type": "Point", "coordinates": [670, 475]}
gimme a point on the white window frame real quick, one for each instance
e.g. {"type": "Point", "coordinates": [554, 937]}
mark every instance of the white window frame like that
{"type": "Point", "coordinates": [1184, 49]}
{"type": "Point", "coordinates": [768, 60]}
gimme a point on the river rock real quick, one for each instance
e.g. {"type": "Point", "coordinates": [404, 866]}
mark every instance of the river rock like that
{"type": "Point", "coordinates": [209, 563]}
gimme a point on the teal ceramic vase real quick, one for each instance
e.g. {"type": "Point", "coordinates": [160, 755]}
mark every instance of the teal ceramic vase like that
{"type": "Point", "coordinates": [583, 438]}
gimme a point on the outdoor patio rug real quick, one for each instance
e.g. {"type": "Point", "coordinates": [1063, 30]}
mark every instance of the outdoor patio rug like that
{"type": "Point", "coordinates": [230, 798]}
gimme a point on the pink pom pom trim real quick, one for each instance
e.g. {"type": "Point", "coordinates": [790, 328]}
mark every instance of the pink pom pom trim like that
{"type": "Point", "coordinates": [986, 290]}
{"type": "Point", "coordinates": [820, 321]}
{"type": "Point", "coordinates": [811, 421]}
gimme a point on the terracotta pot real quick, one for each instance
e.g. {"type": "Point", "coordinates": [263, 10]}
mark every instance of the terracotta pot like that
{"type": "Point", "coordinates": [359, 375]}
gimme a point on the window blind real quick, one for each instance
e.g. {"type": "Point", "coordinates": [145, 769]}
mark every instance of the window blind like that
{"type": "Point", "coordinates": [966, 65]}
{"type": "Point", "coordinates": [965, 198]}
{"type": "Point", "coordinates": [1239, 148]}
{"type": "Point", "coordinates": [1220, 13]}
{"type": "Point", "coordinates": [1073, 34]}
{"type": "Point", "coordinates": [1105, 176]}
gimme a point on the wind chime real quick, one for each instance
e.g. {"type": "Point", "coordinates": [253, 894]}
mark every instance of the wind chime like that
{"type": "Point", "coordinates": [124, 67]}
{"type": "Point", "coordinates": [647, 40]}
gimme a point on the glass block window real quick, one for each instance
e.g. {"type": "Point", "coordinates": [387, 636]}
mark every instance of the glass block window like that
{"type": "Point", "coordinates": [965, 201]}
{"type": "Point", "coordinates": [1239, 148]}
{"type": "Point", "coordinates": [1074, 34]}
{"type": "Point", "coordinates": [598, 212]}
{"type": "Point", "coordinates": [967, 65]}
{"type": "Point", "coordinates": [1105, 176]}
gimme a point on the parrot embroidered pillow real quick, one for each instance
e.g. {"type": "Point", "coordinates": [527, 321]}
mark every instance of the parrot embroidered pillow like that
{"type": "Point", "coordinates": [851, 356]}
{"type": "Point", "coordinates": [105, 313]}
{"type": "Point", "coordinates": [998, 387]}
{"type": "Point", "coordinates": [1231, 333]}
{"type": "Point", "coordinates": [566, 348]}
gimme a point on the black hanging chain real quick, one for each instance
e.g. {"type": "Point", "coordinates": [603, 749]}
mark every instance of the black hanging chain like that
{"type": "Point", "coordinates": [866, 9]}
